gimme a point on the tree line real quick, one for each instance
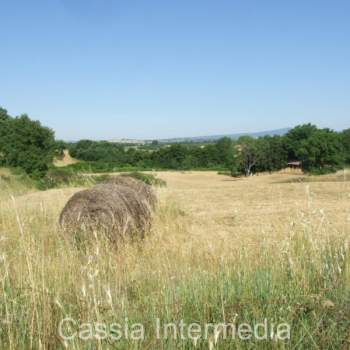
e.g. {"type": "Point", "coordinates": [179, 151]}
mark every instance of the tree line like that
{"type": "Point", "coordinates": [28, 145]}
{"type": "Point", "coordinates": [317, 150]}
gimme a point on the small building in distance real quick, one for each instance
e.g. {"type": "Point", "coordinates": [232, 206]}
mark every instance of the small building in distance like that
{"type": "Point", "coordinates": [294, 165]}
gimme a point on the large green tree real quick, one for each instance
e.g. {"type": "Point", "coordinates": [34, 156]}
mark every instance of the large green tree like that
{"type": "Point", "coordinates": [295, 137]}
{"type": "Point", "coordinates": [246, 154]}
{"type": "Point", "coordinates": [26, 144]}
{"type": "Point", "coordinates": [322, 151]}
{"type": "Point", "coordinates": [271, 154]}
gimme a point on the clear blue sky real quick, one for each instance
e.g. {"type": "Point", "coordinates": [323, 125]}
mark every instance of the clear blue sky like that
{"type": "Point", "coordinates": [106, 69]}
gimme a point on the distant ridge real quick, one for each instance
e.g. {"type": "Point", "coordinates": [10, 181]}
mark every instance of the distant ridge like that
{"type": "Point", "coordinates": [232, 136]}
{"type": "Point", "coordinates": [210, 138]}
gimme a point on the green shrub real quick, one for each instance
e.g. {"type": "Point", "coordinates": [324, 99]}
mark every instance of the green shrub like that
{"type": "Point", "coordinates": [63, 177]}
{"type": "Point", "coordinates": [102, 167]}
{"type": "Point", "coordinates": [324, 171]}
{"type": "Point", "coordinates": [67, 177]}
{"type": "Point", "coordinates": [149, 179]}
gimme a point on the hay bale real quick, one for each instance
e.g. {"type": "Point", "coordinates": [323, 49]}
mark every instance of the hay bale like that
{"type": "Point", "coordinates": [143, 189]}
{"type": "Point", "coordinates": [119, 211]}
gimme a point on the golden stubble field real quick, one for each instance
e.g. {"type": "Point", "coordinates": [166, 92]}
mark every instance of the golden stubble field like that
{"type": "Point", "coordinates": [205, 213]}
{"type": "Point", "coordinates": [236, 211]}
{"type": "Point", "coordinates": [247, 210]}
{"type": "Point", "coordinates": [218, 245]}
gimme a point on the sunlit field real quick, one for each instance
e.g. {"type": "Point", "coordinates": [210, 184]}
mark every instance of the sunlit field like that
{"type": "Point", "coordinates": [265, 249]}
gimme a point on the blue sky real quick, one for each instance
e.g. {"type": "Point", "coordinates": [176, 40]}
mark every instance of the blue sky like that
{"type": "Point", "coordinates": [105, 69]}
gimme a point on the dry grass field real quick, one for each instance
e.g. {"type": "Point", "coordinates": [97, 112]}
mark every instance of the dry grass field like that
{"type": "Point", "coordinates": [245, 211]}
{"type": "Point", "coordinates": [221, 250]}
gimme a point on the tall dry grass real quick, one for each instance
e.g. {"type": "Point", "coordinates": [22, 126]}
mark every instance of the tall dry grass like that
{"type": "Point", "coordinates": [299, 275]}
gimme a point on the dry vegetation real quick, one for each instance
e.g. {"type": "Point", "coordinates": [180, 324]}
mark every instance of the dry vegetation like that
{"type": "Point", "coordinates": [220, 249]}
{"type": "Point", "coordinates": [112, 209]}
{"type": "Point", "coordinates": [66, 160]}
{"type": "Point", "coordinates": [142, 189]}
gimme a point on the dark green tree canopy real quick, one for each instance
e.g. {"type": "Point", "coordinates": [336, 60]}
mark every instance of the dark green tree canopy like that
{"type": "Point", "coordinates": [295, 137]}
{"type": "Point", "coordinates": [323, 149]}
{"type": "Point", "coordinates": [26, 144]}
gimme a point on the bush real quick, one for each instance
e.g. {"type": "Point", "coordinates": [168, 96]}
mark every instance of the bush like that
{"type": "Point", "coordinates": [324, 171]}
{"type": "Point", "coordinates": [102, 167]}
{"type": "Point", "coordinates": [149, 179]}
{"type": "Point", "coordinates": [62, 177]}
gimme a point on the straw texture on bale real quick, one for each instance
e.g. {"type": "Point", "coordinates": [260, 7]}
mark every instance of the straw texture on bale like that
{"type": "Point", "coordinates": [144, 190]}
{"type": "Point", "coordinates": [119, 211]}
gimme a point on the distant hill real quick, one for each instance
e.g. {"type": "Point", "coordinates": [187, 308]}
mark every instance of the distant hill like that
{"type": "Point", "coordinates": [210, 138]}
{"type": "Point", "coordinates": [128, 141]}
{"type": "Point", "coordinates": [232, 136]}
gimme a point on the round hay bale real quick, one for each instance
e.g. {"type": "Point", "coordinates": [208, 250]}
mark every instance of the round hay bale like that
{"type": "Point", "coordinates": [144, 190]}
{"type": "Point", "coordinates": [119, 211]}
